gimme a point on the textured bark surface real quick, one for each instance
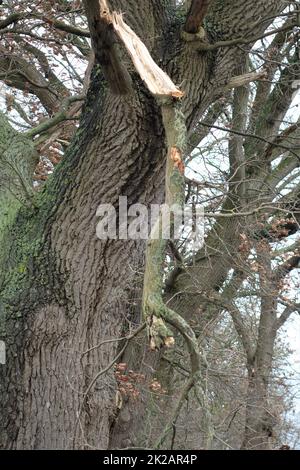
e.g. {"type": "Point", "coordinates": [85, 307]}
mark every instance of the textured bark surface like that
{"type": "Point", "coordinates": [95, 276]}
{"type": "Point", "coordinates": [64, 291]}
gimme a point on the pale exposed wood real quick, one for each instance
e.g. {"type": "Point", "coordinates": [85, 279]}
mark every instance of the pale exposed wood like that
{"type": "Point", "coordinates": [158, 82]}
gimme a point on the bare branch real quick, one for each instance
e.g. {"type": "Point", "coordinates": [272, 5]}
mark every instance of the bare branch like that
{"type": "Point", "coordinates": [252, 136]}
{"type": "Point", "coordinates": [68, 28]}
{"type": "Point", "coordinates": [242, 80]}
{"type": "Point", "coordinates": [11, 19]}
{"type": "Point", "coordinates": [289, 309]}
{"type": "Point", "coordinates": [285, 268]}
{"type": "Point", "coordinates": [201, 132]}
{"type": "Point", "coordinates": [18, 73]}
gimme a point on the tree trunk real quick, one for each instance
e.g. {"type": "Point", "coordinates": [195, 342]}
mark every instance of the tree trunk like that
{"type": "Point", "coordinates": [260, 420]}
{"type": "Point", "coordinates": [74, 291]}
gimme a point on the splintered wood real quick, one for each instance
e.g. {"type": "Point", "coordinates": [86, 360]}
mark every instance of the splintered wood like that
{"type": "Point", "coordinates": [176, 157]}
{"type": "Point", "coordinates": [158, 82]}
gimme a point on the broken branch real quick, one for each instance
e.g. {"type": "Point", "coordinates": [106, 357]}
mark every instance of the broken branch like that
{"type": "Point", "coordinates": [158, 82]}
{"type": "Point", "coordinates": [105, 26]}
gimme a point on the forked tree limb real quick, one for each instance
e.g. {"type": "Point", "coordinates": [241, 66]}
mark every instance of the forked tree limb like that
{"type": "Point", "coordinates": [288, 311]}
{"type": "Point", "coordinates": [285, 268]}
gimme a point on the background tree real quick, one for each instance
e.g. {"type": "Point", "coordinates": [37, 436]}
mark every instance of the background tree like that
{"type": "Point", "coordinates": [73, 306]}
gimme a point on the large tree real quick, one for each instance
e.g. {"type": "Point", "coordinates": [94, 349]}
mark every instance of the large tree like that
{"type": "Point", "coordinates": [163, 75]}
